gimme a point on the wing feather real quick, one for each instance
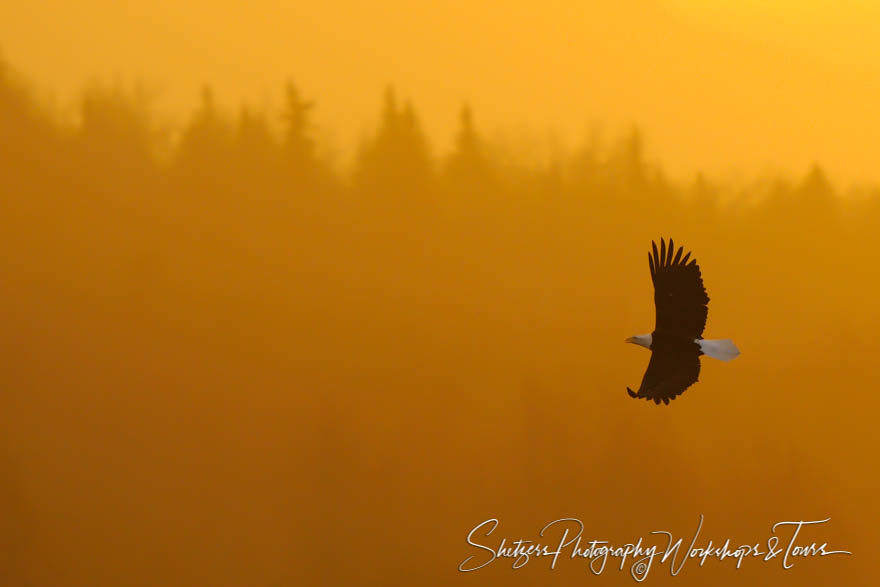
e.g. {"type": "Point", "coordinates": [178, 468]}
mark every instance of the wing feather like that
{"type": "Point", "coordinates": [678, 256]}
{"type": "Point", "coordinates": [656, 259]}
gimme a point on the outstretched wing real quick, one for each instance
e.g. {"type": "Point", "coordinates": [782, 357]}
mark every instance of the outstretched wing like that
{"type": "Point", "coordinates": [679, 295]}
{"type": "Point", "coordinates": [672, 369]}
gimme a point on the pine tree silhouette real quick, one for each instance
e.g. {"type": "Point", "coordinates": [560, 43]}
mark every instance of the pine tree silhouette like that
{"type": "Point", "coordinates": [297, 143]}
{"type": "Point", "coordinates": [468, 165]}
{"type": "Point", "coordinates": [395, 166]}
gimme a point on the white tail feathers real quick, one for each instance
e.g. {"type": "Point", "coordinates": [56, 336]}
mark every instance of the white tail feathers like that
{"type": "Point", "coordinates": [719, 349]}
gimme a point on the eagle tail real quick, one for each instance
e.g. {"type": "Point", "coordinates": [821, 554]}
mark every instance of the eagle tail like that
{"type": "Point", "coordinates": [724, 350]}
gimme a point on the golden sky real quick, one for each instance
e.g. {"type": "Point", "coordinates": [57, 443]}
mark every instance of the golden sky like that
{"type": "Point", "coordinates": [727, 85]}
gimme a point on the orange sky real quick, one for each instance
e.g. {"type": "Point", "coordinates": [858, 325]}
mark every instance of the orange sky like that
{"type": "Point", "coordinates": [741, 85]}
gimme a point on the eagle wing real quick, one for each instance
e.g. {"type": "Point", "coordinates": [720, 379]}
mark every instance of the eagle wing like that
{"type": "Point", "coordinates": [671, 370]}
{"type": "Point", "coordinates": [679, 296]}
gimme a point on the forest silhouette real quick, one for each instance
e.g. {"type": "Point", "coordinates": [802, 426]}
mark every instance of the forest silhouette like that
{"type": "Point", "coordinates": [228, 360]}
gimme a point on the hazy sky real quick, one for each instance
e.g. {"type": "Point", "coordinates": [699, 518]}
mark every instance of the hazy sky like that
{"type": "Point", "coordinates": [726, 85]}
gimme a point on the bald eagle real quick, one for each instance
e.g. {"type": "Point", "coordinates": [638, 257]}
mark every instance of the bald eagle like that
{"type": "Point", "coordinates": [676, 344]}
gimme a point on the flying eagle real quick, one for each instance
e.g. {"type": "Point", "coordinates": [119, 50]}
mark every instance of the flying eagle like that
{"type": "Point", "coordinates": [676, 343]}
